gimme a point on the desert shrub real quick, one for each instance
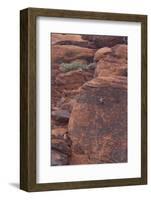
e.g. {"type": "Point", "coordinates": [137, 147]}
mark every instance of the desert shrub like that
{"type": "Point", "coordinates": [65, 67]}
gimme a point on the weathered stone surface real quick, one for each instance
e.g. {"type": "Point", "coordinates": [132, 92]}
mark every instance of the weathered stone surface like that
{"type": "Point", "coordinates": [56, 37]}
{"type": "Point", "coordinates": [64, 91]}
{"type": "Point", "coordinates": [112, 63]}
{"type": "Point", "coordinates": [60, 147]}
{"type": "Point", "coordinates": [105, 68]}
{"type": "Point", "coordinates": [68, 53]}
{"type": "Point", "coordinates": [104, 40]}
{"type": "Point", "coordinates": [58, 158]}
{"type": "Point", "coordinates": [81, 61]}
{"type": "Point", "coordinates": [73, 79]}
{"type": "Point", "coordinates": [98, 122]}
{"type": "Point", "coordinates": [101, 53]}
{"type": "Point", "coordinates": [71, 39]}
{"type": "Point", "coordinates": [120, 51]}
{"type": "Point", "coordinates": [89, 105]}
{"type": "Point", "coordinates": [68, 104]}
{"type": "Point", "coordinates": [61, 115]}
{"type": "Point", "coordinates": [59, 133]}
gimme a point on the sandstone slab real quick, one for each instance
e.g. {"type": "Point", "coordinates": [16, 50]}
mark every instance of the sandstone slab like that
{"type": "Point", "coordinates": [98, 122]}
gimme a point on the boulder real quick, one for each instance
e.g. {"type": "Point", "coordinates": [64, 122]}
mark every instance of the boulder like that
{"type": "Point", "coordinates": [101, 53]}
{"type": "Point", "coordinates": [104, 40]}
{"type": "Point", "coordinates": [58, 37]}
{"type": "Point", "coordinates": [60, 147]}
{"type": "Point", "coordinates": [65, 89]}
{"type": "Point", "coordinates": [112, 62]}
{"type": "Point", "coordinates": [98, 122]}
{"type": "Point", "coordinates": [70, 39]}
{"type": "Point", "coordinates": [59, 133]}
{"type": "Point", "coordinates": [120, 51]}
{"type": "Point", "coordinates": [68, 53]}
{"type": "Point", "coordinates": [69, 103]}
{"type": "Point", "coordinates": [61, 116]}
{"type": "Point", "coordinates": [73, 79]}
{"type": "Point", "coordinates": [58, 158]}
{"type": "Point", "coordinates": [106, 68]}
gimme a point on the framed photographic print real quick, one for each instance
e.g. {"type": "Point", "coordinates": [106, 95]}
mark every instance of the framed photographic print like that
{"type": "Point", "coordinates": [83, 93]}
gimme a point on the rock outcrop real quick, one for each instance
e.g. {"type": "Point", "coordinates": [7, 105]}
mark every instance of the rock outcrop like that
{"type": "Point", "coordinates": [73, 79]}
{"type": "Point", "coordinates": [104, 40]}
{"type": "Point", "coordinates": [68, 53]}
{"type": "Point", "coordinates": [101, 53]}
{"type": "Point", "coordinates": [71, 39]}
{"type": "Point", "coordinates": [88, 100]}
{"type": "Point", "coordinates": [58, 37]}
{"type": "Point", "coordinates": [98, 122]}
{"type": "Point", "coordinates": [111, 61]}
{"type": "Point", "coordinates": [60, 147]}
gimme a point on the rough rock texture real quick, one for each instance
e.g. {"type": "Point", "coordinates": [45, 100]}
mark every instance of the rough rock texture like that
{"type": "Point", "coordinates": [60, 146]}
{"type": "Point", "coordinates": [58, 158]}
{"type": "Point", "coordinates": [105, 68]}
{"type": "Point", "coordinates": [81, 61]}
{"type": "Point", "coordinates": [61, 115]}
{"type": "Point", "coordinates": [59, 133]}
{"type": "Point", "coordinates": [101, 53]}
{"type": "Point", "coordinates": [111, 61]}
{"type": "Point", "coordinates": [89, 104]}
{"type": "Point", "coordinates": [98, 122]}
{"type": "Point", "coordinates": [56, 37]}
{"type": "Point", "coordinates": [73, 79]}
{"type": "Point", "coordinates": [120, 51]}
{"type": "Point", "coordinates": [105, 41]}
{"type": "Point", "coordinates": [68, 53]}
{"type": "Point", "coordinates": [71, 39]}
{"type": "Point", "coordinates": [65, 85]}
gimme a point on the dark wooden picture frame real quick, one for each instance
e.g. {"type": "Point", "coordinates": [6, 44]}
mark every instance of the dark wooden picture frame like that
{"type": "Point", "coordinates": [28, 99]}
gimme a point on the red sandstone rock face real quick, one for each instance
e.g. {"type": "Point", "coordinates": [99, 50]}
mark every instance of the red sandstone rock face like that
{"type": "Point", "coordinates": [73, 79]}
{"type": "Point", "coordinates": [117, 52]}
{"type": "Point", "coordinates": [64, 95]}
{"type": "Point", "coordinates": [68, 53]}
{"type": "Point", "coordinates": [105, 41]}
{"type": "Point", "coordinates": [60, 147]}
{"type": "Point", "coordinates": [120, 51]}
{"type": "Point", "coordinates": [98, 122]}
{"type": "Point", "coordinates": [71, 39]}
{"type": "Point", "coordinates": [101, 53]}
{"type": "Point", "coordinates": [105, 68]}
{"type": "Point", "coordinates": [65, 85]}
{"type": "Point", "coordinates": [56, 37]}
{"type": "Point", "coordinates": [111, 61]}
{"type": "Point", "coordinates": [89, 106]}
